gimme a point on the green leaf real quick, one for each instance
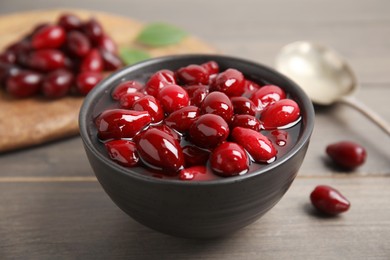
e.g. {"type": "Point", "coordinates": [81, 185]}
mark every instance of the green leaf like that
{"type": "Point", "coordinates": [160, 34]}
{"type": "Point", "coordinates": [132, 55]}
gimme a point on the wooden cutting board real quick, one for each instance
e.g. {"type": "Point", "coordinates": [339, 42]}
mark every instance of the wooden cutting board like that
{"type": "Point", "coordinates": [33, 121]}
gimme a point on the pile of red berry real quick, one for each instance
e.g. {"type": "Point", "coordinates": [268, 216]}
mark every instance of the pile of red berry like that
{"type": "Point", "coordinates": [196, 118]}
{"type": "Point", "coordinates": [58, 59]}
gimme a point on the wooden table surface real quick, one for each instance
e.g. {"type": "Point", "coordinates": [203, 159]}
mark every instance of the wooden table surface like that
{"type": "Point", "coordinates": [51, 205]}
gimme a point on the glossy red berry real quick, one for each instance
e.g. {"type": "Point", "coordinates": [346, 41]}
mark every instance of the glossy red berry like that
{"type": "Point", "coordinates": [24, 84]}
{"type": "Point", "coordinates": [208, 131]}
{"type": "Point", "coordinates": [121, 123]}
{"type": "Point", "coordinates": [282, 113]}
{"type": "Point", "coordinates": [182, 119]}
{"type": "Point", "coordinates": [219, 104]}
{"type": "Point", "coordinates": [78, 44]}
{"type": "Point", "coordinates": [87, 80]}
{"type": "Point", "coordinates": [193, 74]}
{"type": "Point", "coordinates": [161, 151]}
{"type": "Point", "coordinates": [108, 44]}
{"type": "Point", "coordinates": [126, 87]}
{"type": "Point", "coordinates": [92, 62]}
{"type": "Point", "coordinates": [347, 154]}
{"type": "Point", "coordinates": [57, 84]}
{"type": "Point", "coordinates": [229, 159]}
{"type": "Point", "coordinates": [197, 94]}
{"type": "Point", "coordinates": [152, 106]}
{"type": "Point", "coordinates": [111, 61]}
{"type": "Point", "coordinates": [45, 60]}
{"type": "Point", "coordinates": [173, 97]}
{"type": "Point", "coordinates": [267, 95]}
{"type": "Point", "coordinates": [250, 88]}
{"type": "Point", "coordinates": [127, 100]}
{"type": "Point", "coordinates": [246, 121]}
{"type": "Point", "coordinates": [69, 22]}
{"type": "Point", "coordinates": [329, 200]}
{"type": "Point", "coordinates": [123, 152]}
{"type": "Point", "coordinates": [230, 82]}
{"type": "Point", "coordinates": [48, 37]}
{"type": "Point", "coordinates": [94, 30]}
{"type": "Point", "coordinates": [8, 57]}
{"type": "Point", "coordinates": [243, 106]}
{"type": "Point", "coordinates": [257, 145]}
{"type": "Point", "coordinates": [20, 47]}
{"type": "Point", "coordinates": [167, 130]}
{"type": "Point", "coordinates": [195, 156]}
{"type": "Point", "coordinates": [211, 67]}
{"type": "Point", "coordinates": [159, 80]}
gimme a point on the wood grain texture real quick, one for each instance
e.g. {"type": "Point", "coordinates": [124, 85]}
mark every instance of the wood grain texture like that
{"type": "Point", "coordinates": [77, 220]}
{"type": "Point", "coordinates": [42, 216]}
{"type": "Point", "coordinates": [32, 121]}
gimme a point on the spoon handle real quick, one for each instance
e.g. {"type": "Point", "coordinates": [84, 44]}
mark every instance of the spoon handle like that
{"type": "Point", "coordinates": [368, 112]}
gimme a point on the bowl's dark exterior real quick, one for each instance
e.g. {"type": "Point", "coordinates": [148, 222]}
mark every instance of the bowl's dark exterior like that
{"type": "Point", "coordinates": [196, 209]}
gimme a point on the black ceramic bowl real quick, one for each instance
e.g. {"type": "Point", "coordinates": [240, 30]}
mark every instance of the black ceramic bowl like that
{"type": "Point", "coordinates": [194, 209]}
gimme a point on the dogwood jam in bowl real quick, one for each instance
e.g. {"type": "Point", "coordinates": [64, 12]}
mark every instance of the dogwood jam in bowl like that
{"type": "Point", "coordinates": [197, 123]}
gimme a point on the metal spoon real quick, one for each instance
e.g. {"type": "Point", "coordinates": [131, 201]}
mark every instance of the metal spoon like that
{"type": "Point", "coordinates": [324, 75]}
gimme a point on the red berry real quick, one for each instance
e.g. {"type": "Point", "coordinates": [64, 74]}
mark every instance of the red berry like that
{"type": "Point", "coordinates": [6, 71]}
{"type": "Point", "coordinates": [8, 57]}
{"type": "Point", "coordinates": [57, 84]}
{"type": "Point", "coordinates": [86, 81]}
{"type": "Point", "coordinates": [111, 61]}
{"type": "Point", "coordinates": [243, 106]}
{"type": "Point", "coordinates": [126, 87]}
{"type": "Point", "coordinates": [167, 130]}
{"type": "Point", "coordinates": [195, 156]}
{"type": "Point", "coordinates": [193, 74]}
{"type": "Point", "coordinates": [123, 152]}
{"type": "Point", "coordinates": [219, 104]}
{"type": "Point", "coordinates": [267, 95]}
{"type": "Point", "coordinates": [257, 145]}
{"type": "Point", "coordinates": [173, 97]}
{"type": "Point", "coordinates": [246, 121]}
{"type": "Point", "coordinates": [197, 94]}
{"type": "Point", "coordinates": [159, 80]}
{"type": "Point", "coordinates": [211, 67]}
{"type": "Point", "coordinates": [48, 37]}
{"type": "Point", "coordinates": [93, 30]}
{"type": "Point", "coordinates": [231, 82]}
{"type": "Point", "coordinates": [121, 123]}
{"type": "Point", "coordinates": [190, 173]}
{"type": "Point", "coordinates": [160, 150]}
{"type": "Point", "coordinates": [78, 44]}
{"type": "Point", "coordinates": [152, 106]}
{"type": "Point", "coordinates": [19, 47]}
{"type": "Point", "coordinates": [24, 84]}
{"type": "Point", "coordinates": [250, 88]}
{"type": "Point", "coordinates": [346, 154]}
{"type": "Point", "coordinates": [329, 200]}
{"type": "Point", "coordinates": [46, 60]}
{"type": "Point", "coordinates": [208, 131]}
{"type": "Point", "coordinates": [229, 159]}
{"type": "Point", "coordinates": [69, 22]}
{"type": "Point", "coordinates": [127, 100]}
{"type": "Point", "coordinates": [92, 62]}
{"type": "Point", "coordinates": [108, 44]}
{"type": "Point", "coordinates": [282, 113]}
{"type": "Point", "coordinates": [182, 119]}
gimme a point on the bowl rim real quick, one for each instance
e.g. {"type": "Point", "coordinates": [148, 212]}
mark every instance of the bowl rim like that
{"type": "Point", "coordinates": [96, 92]}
